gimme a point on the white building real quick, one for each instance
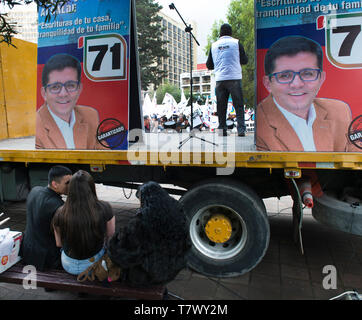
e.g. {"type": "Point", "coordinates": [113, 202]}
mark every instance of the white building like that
{"type": "Point", "coordinates": [203, 81]}
{"type": "Point", "coordinates": [25, 22]}
{"type": "Point", "coordinates": [178, 49]}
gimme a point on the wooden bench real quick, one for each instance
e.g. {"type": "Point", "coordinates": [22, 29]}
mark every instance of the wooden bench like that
{"type": "Point", "coordinates": [61, 280]}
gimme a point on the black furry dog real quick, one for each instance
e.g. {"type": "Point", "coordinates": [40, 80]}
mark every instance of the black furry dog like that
{"type": "Point", "coordinates": [151, 249]}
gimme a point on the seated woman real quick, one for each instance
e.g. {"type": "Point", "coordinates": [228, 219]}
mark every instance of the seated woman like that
{"type": "Point", "coordinates": [82, 225]}
{"type": "Point", "coordinates": [151, 249]}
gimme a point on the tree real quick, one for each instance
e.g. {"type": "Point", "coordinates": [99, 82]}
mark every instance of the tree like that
{"type": "Point", "coordinates": [7, 30]}
{"type": "Point", "coordinates": [171, 89]}
{"type": "Point", "coordinates": [241, 17]}
{"type": "Point", "coordinates": [150, 44]}
{"type": "Point", "coordinates": [215, 31]}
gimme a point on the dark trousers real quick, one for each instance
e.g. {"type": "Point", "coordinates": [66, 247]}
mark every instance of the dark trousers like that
{"type": "Point", "coordinates": [223, 91]}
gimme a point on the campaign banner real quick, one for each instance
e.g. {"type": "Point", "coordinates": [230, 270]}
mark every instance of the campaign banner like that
{"type": "Point", "coordinates": [83, 76]}
{"type": "Point", "coordinates": [316, 105]}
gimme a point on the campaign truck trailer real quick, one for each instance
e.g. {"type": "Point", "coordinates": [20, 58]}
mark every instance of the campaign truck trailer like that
{"type": "Point", "coordinates": [229, 226]}
{"type": "Point", "coordinates": [221, 181]}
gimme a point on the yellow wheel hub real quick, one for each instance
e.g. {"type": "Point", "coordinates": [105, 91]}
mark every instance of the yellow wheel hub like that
{"type": "Point", "coordinates": [218, 229]}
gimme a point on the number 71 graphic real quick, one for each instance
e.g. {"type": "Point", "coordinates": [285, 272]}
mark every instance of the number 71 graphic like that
{"type": "Point", "coordinates": [343, 39]}
{"type": "Point", "coordinates": [104, 57]}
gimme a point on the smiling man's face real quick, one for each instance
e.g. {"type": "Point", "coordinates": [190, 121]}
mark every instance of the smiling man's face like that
{"type": "Point", "coordinates": [297, 96]}
{"type": "Point", "coordinates": [62, 103]}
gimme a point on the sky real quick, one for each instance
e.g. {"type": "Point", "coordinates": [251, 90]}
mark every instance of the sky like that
{"type": "Point", "coordinates": [203, 12]}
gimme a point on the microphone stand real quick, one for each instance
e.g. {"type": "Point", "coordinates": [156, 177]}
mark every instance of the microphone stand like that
{"type": "Point", "coordinates": [188, 29]}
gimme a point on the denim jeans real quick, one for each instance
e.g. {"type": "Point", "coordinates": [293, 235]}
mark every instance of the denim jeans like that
{"type": "Point", "coordinates": [223, 90]}
{"type": "Point", "coordinates": [74, 266]}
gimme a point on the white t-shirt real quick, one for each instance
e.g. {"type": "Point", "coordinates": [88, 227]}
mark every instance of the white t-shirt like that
{"type": "Point", "coordinates": [303, 128]}
{"type": "Point", "coordinates": [65, 128]}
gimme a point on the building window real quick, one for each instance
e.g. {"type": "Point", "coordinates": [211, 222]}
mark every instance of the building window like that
{"type": "Point", "coordinates": [206, 79]}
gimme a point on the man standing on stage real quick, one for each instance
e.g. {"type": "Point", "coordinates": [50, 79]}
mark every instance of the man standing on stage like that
{"type": "Point", "coordinates": [226, 57]}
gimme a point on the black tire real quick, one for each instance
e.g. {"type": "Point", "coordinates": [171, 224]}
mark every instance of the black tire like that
{"type": "Point", "coordinates": [341, 215]}
{"type": "Point", "coordinates": [250, 235]}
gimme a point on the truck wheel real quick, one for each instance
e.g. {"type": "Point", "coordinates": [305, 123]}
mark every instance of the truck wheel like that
{"type": "Point", "coordinates": [228, 226]}
{"type": "Point", "coordinates": [341, 215]}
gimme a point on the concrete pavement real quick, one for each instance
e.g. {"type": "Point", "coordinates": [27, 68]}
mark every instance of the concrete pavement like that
{"type": "Point", "coordinates": [283, 274]}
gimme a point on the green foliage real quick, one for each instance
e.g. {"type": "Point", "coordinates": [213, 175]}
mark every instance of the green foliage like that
{"type": "Point", "coordinates": [200, 99]}
{"type": "Point", "coordinates": [187, 93]}
{"type": "Point", "coordinates": [241, 17]}
{"type": "Point", "coordinates": [171, 89]}
{"type": "Point", "coordinates": [150, 44]}
{"type": "Point", "coordinates": [175, 91]}
{"type": "Point", "coordinates": [215, 30]}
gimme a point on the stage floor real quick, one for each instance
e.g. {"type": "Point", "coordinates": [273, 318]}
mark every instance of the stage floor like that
{"type": "Point", "coordinates": [202, 141]}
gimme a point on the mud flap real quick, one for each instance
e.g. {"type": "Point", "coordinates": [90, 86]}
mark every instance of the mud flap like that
{"type": "Point", "coordinates": [297, 216]}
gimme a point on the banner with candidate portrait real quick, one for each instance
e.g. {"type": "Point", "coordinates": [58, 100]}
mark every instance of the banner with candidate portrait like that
{"type": "Point", "coordinates": [87, 109]}
{"type": "Point", "coordinates": [329, 91]}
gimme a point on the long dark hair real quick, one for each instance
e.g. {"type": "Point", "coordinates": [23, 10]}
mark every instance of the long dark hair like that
{"type": "Point", "coordinates": [162, 215]}
{"type": "Point", "coordinates": [79, 221]}
{"type": "Point", "coordinates": [152, 247]}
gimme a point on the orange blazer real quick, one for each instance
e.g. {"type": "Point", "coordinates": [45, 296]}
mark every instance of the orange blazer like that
{"type": "Point", "coordinates": [48, 135]}
{"type": "Point", "coordinates": [330, 128]}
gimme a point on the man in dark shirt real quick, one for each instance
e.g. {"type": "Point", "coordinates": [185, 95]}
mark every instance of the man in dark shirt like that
{"type": "Point", "coordinates": [38, 246]}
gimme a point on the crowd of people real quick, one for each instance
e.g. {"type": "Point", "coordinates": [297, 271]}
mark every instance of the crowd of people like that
{"type": "Point", "coordinates": [159, 124]}
{"type": "Point", "coordinates": [182, 123]}
{"type": "Point", "coordinates": [147, 248]}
